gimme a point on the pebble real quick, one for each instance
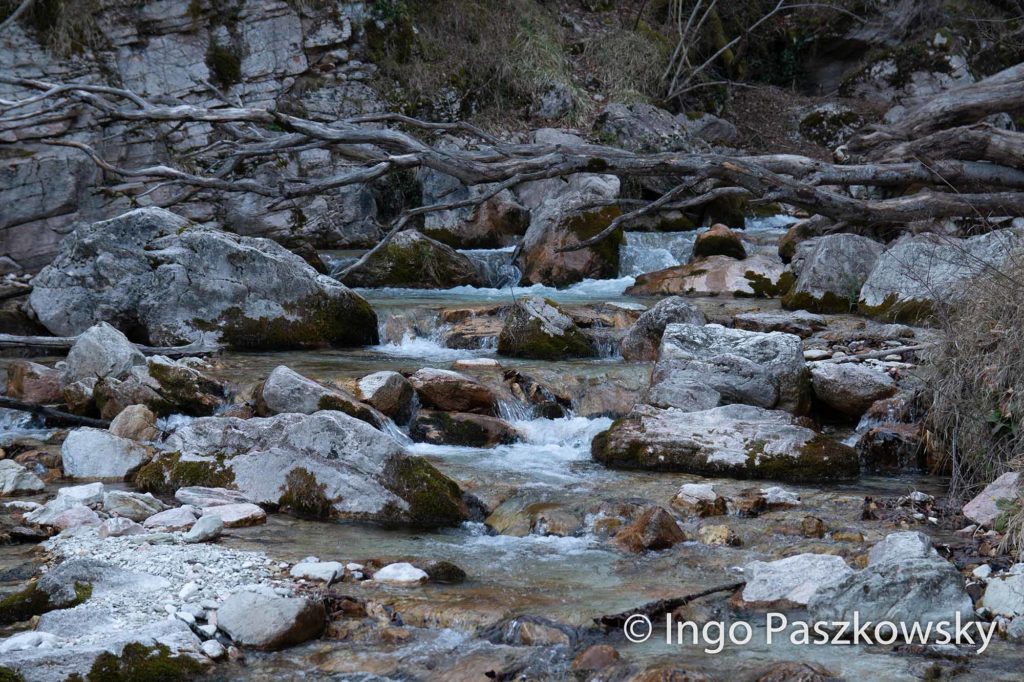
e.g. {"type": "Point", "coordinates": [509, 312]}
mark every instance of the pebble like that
{"type": "Point", "coordinates": [812, 354]}
{"type": "Point", "coordinates": [186, 617]}
{"type": "Point", "coordinates": [209, 630]}
{"type": "Point", "coordinates": [213, 649]}
{"type": "Point", "coordinates": [404, 573]}
{"type": "Point", "coordinates": [190, 590]}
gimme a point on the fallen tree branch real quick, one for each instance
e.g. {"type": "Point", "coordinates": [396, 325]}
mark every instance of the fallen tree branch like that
{"type": "Point", "coordinates": [662, 606]}
{"type": "Point", "coordinates": [66, 342]}
{"type": "Point", "coordinates": [880, 353]}
{"type": "Point", "coordinates": [52, 416]}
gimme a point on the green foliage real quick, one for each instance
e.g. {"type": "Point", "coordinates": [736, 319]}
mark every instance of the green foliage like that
{"type": "Point", "coordinates": [224, 63]}
{"type": "Point", "coordinates": [140, 663]}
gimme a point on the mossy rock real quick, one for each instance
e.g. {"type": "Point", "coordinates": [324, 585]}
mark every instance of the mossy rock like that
{"type": "Point", "coordinates": [830, 303]}
{"type": "Point", "coordinates": [32, 601]}
{"type": "Point", "coordinates": [893, 310]}
{"type": "Point", "coordinates": [141, 663]}
{"type": "Point", "coordinates": [589, 224]}
{"type": "Point", "coordinates": [167, 472]}
{"type": "Point", "coordinates": [470, 430]}
{"type": "Point", "coordinates": [719, 241]}
{"type": "Point", "coordinates": [434, 499]}
{"type": "Point", "coordinates": [412, 260]}
{"type": "Point", "coordinates": [8, 675]}
{"type": "Point", "coordinates": [304, 496]}
{"type": "Point", "coordinates": [537, 329]}
{"type": "Point", "coordinates": [764, 287]}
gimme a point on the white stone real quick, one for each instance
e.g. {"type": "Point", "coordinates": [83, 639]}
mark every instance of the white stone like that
{"type": "Point", "coordinates": [213, 649]}
{"type": "Point", "coordinates": [792, 580]}
{"type": "Point", "coordinates": [97, 453]}
{"type": "Point", "coordinates": [14, 479]}
{"type": "Point", "coordinates": [239, 514]}
{"type": "Point", "coordinates": [1004, 595]}
{"type": "Point", "coordinates": [28, 640]}
{"type": "Point", "coordinates": [325, 571]}
{"type": "Point", "coordinates": [189, 590]}
{"type": "Point", "coordinates": [208, 527]}
{"type": "Point", "coordinates": [179, 518]}
{"type": "Point", "coordinates": [400, 573]}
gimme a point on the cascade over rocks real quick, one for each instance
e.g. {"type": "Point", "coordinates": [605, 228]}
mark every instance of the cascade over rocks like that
{"type": "Point", "coordinates": [413, 260]}
{"type": "Point", "coordinates": [702, 366]}
{"type": "Point", "coordinates": [168, 282]}
{"type": "Point", "coordinates": [738, 441]}
{"type": "Point", "coordinates": [323, 459]}
{"type": "Point", "coordinates": [537, 328]}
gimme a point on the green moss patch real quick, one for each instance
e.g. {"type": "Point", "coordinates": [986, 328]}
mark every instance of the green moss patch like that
{"type": "Point", "coordinates": [893, 310]}
{"type": "Point", "coordinates": [140, 663]}
{"type": "Point", "coordinates": [32, 601]}
{"type": "Point", "coordinates": [829, 303]}
{"type": "Point", "coordinates": [434, 499]}
{"type": "Point", "coordinates": [304, 496]}
{"type": "Point", "coordinates": [167, 473]}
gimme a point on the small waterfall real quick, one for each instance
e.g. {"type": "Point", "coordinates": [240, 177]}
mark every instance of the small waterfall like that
{"type": "Point", "coordinates": [495, 265]}
{"type": "Point", "coordinates": [514, 411]}
{"type": "Point", "coordinates": [651, 251]}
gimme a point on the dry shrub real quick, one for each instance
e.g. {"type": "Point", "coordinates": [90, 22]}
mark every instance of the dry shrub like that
{"type": "Point", "coordinates": [977, 382]}
{"type": "Point", "coordinates": [629, 63]}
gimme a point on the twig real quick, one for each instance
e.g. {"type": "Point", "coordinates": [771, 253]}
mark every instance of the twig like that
{"type": "Point", "coordinates": [662, 606]}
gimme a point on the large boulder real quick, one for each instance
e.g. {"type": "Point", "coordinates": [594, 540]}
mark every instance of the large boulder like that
{"type": "Point", "coordinates": [326, 460]}
{"type": "Point", "coordinates": [495, 223]}
{"type": "Point", "coordinates": [537, 328]}
{"type": "Point", "coordinates": [718, 241]}
{"type": "Point", "coordinates": [701, 366]}
{"type": "Point", "coordinates": [920, 273]}
{"type": "Point", "coordinates": [97, 453]}
{"type": "Point", "coordinates": [285, 390]}
{"type": "Point", "coordinates": [849, 389]}
{"type": "Point", "coordinates": [643, 339]}
{"type": "Point", "coordinates": [738, 441]}
{"type": "Point", "coordinates": [903, 582]}
{"type": "Point", "coordinates": [557, 225]}
{"type": "Point", "coordinates": [832, 269]}
{"type": "Point", "coordinates": [989, 504]}
{"type": "Point", "coordinates": [643, 128]}
{"type": "Point", "coordinates": [443, 389]}
{"type": "Point", "coordinates": [264, 620]}
{"type": "Point", "coordinates": [101, 351]}
{"type": "Point", "coordinates": [759, 275]}
{"type": "Point", "coordinates": [166, 281]}
{"type": "Point", "coordinates": [414, 261]}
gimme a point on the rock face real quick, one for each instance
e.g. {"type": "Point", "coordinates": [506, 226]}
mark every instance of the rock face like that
{"type": "Point", "coordinates": [537, 328]}
{"type": "Point", "coordinates": [288, 391]}
{"type": "Point", "coordinates": [920, 272]}
{"type": "Point", "coordinates": [414, 261]}
{"type": "Point", "coordinates": [702, 366]}
{"type": "Point", "coordinates": [718, 241]}
{"type": "Point", "coordinates": [461, 428]}
{"type": "Point", "coordinates": [269, 622]}
{"type": "Point", "coordinates": [792, 581]}
{"type": "Point", "coordinates": [984, 509]}
{"type": "Point", "coordinates": [831, 271]}
{"type": "Point", "coordinates": [16, 479]}
{"type": "Point", "coordinates": [849, 389]}
{"type": "Point", "coordinates": [442, 389]}
{"type": "Point", "coordinates": [759, 275]}
{"type": "Point", "coordinates": [898, 586]}
{"type": "Point", "coordinates": [739, 441]}
{"type": "Point", "coordinates": [95, 453]}
{"type": "Point", "coordinates": [327, 460]}
{"type": "Point", "coordinates": [556, 225]}
{"type": "Point", "coordinates": [643, 339]}
{"type": "Point", "coordinates": [240, 291]}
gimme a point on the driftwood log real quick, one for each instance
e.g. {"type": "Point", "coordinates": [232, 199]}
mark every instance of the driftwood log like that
{"type": "Point", "coordinates": [662, 606]}
{"type": "Point", "coordinates": [64, 343]}
{"type": "Point", "coordinates": [52, 416]}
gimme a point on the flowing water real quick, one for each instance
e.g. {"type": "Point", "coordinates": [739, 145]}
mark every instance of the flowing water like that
{"type": "Point", "coordinates": [571, 579]}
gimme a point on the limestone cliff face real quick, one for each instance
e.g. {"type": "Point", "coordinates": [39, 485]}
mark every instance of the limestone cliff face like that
{"type": "Point", "coordinates": [301, 57]}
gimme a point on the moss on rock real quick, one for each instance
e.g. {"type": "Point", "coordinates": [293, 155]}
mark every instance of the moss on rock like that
{"type": "Point", "coordinates": [32, 601]}
{"type": "Point", "coordinates": [141, 663]}
{"type": "Point", "coordinates": [167, 472]}
{"type": "Point", "coordinates": [434, 499]}
{"type": "Point", "coordinates": [304, 496]}
{"type": "Point", "coordinates": [829, 303]}
{"type": "Point", "coordinates": [894, 310]}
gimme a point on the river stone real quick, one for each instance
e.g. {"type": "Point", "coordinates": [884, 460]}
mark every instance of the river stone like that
{"type": "Point", "coordinates": [243, 292]}
{"type": "Point", "coordinates": [557, 225]}
{"type": "Point", "coordinates": [135, 422]}
{"type": "Point", "coordinates": [831, 271]}
{"type": "Point", "coordinates": [643, 339]}
{"type": "Point", "coordinates": [461, 428]}
{"type": "Point", "coordinates": [238, 515]}
{"type": "Point", "coordinates": [269, 622]}
{"type": "Point", "coordinates": [327, 459]}
{"type": "Point", "coordinates": [134, 506]}
{"type": "Point", "coordinates": [759, 275]}
{"type": "Point", "coordinates": [97, 453]}
{"type": "Point", "coordinates": [288, 391]}
{"type": "Point", "coordinates": [494, 223]}
{"type": "Point", "coordinates": [443, 389]}
{"type": "Point", "coordinates": [1004, 595]}
{"type": "Point", "coordinates": [75, 517]}
{"type": "Point", "coordinates": [702, 366]}
{"type": "Point", "coordinates": [799, 322]}
{"type": "Point", "coordinates": [537, 328]}
{"type": "Point", "coordinates": [199, 496]}
{"type": "Point", "coordinates": [208, 527]}
{"type": "Point", "coordinates": [848, 388]}
{"type": "Point", "coordinates": [33, 383]}
{"type": "Point", "coordinates": [17, 480]}
{"type": "Point", "coordinates": [414, 261]}
{"type": "Point", "coordinates": [402, 573]}
{"type": "Point", "coordinates": [719, 240]}
{"type": "Point", "coordinates": [919, 273]}
{"type": "Point", "coordinates": [654, 529]}
{"type": "Point", "coordinates": [900, 546]}
{"type": "Point", "coordinates": [984, 509]}
{"type": "Point", "coordinates": [101, 351]}
{"type": "Point", "coordinates": [163, 385]}
{"type": "Point", "coordinates": [387, 391]}
{"type": "Point", "coordinates": [178, 518]}
{"type": "Point", "coordinates": [324, 571]}
{"type": "Point", "coordinates": [699, 499]}
{"type": "Point", "coordinates": [911, 590]}
{"type": "Point", "coordinates": [738, 441]}
{"type": "Point", "coordinates": [119, 526]}
{"type": "Point", "coordinates": [792, 581]}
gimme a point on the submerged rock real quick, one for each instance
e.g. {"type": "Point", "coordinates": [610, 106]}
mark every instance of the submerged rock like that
{"type": "Point", "coordinates": [703, 366]}
{"type": "Point", "coordinates": [285, 390]}
{"type": "Point", "coordinates": [831, 271]}
{"type": "Point", "coordinates": [263, 620]}
{"type": "Point", "coordinates": [739, 441]}
{"type": "Point", "coordinates": [759, 275]}
{"type": "Point", "coordinates": [537, 328]}
{"type": "Point", "coordinates": [461, 428]}
{"type": "Point", "coordinates": [326, 462]}
{"type": "Point", "coordinates": [850, 389]}
{"type": "Point", "coordinates": [243, 292]}
{"type": "Point", "coordinates": [920, 273]}
{"type": "Point", "coordinates": [643, 339]}
{"type": "Point", "coordinates": [412, 260]}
